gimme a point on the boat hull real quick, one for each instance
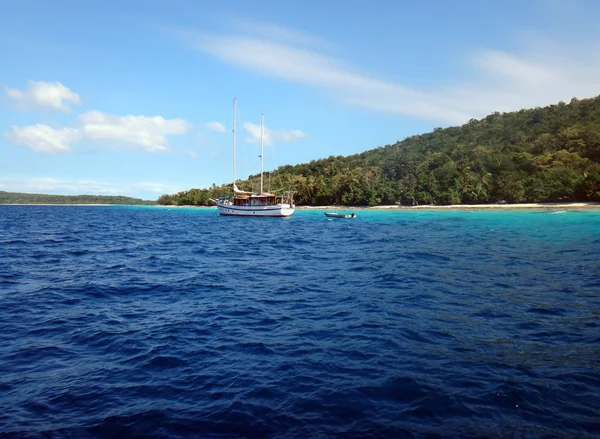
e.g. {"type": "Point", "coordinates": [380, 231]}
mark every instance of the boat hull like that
{"type": "Point", "coordinates": [278, 210]}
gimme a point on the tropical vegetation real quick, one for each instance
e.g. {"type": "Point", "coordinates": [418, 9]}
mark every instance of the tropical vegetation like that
{"type": "Point", "coordinates": [24, 198]}
{"type": "Point", "coordinates": [549, 154]}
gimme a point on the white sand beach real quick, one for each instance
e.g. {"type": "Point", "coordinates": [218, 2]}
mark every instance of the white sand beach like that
{"type": "Point", "coordinates": [587, 205]}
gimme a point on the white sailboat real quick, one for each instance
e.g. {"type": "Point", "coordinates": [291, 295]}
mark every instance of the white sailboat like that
{"type": "Point", "coordinates": [254, 204]}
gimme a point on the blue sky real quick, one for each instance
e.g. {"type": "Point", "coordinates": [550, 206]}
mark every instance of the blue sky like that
{"type": "Point", "coordinates": [135, 97]}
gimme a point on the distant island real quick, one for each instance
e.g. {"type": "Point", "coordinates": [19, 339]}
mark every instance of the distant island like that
{"type": "Point", "coordinates": [540, 155]}
{"type": "Point", "coordinates": [23, 198]}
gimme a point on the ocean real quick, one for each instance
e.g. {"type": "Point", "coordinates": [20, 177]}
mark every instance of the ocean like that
{"type": "Point", "coordinates": [164, 322]}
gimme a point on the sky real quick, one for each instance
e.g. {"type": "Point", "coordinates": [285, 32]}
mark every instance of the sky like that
{"type": "Point", "coordinates": [136, 97]}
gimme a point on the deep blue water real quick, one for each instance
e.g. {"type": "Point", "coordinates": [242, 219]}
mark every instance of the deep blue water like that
{"type": "Point", "coordinates": [158, 322]}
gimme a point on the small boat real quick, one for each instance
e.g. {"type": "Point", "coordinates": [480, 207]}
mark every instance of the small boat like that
{"type": "Point", "coordinates": [340, 215]}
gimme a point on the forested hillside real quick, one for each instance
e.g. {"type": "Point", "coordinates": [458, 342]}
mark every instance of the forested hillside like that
{"type": "Point", "coordinates": [540, 155]}
{"type": "Point", "coordinates": [23, 198]}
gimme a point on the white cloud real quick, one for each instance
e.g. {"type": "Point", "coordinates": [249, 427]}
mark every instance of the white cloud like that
{"type": "Point", "coordinates": [43, 95]}
{"type": "Point", "coordinates": [271, 136]}
{"type": "Point", "coordinates": [215, 126]}
{"type": "Point", "coordinates": [541, 74]}
{"type": "Point", "coordinates": [43, 138]}
{"type": "Point", "coordinates": [139, 132]}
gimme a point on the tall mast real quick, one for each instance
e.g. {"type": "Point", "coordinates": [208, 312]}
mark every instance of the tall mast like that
{"type": "Point", "coordinates": [234, 122]}
{"type": "Point", "coordinates": [262, 149]}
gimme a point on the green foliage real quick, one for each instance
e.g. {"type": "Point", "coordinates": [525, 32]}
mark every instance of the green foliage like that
{"type": "Point", "coordinates": [22, 198]}
{"type": "Point", "coordinates": [195, 197]}
{"type": "Point", "coordinates": [537, 155]}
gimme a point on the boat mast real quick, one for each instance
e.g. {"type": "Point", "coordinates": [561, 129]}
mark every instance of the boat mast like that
{"type": "Point", "coordinates": [262, 149]}
{"type": "Point", "coordinates": [234, 122]}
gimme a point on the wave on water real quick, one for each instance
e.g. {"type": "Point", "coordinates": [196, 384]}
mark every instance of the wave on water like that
{"type": "Point", "coordinates": [143, 322]}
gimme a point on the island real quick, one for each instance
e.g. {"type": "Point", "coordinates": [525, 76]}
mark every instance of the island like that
{"type": "Point", "coordinates": [539, 155]}
{"type": "Point", "coordinates": [25, 198]}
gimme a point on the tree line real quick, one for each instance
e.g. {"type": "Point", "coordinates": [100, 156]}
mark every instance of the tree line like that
{"type": "Point", "coordinates": [25, 198]}
{"type": "Point", "coordinates": [549, 154]}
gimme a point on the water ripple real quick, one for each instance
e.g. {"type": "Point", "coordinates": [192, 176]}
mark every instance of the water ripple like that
{"type": "Point", "coordinates": [155, 322]}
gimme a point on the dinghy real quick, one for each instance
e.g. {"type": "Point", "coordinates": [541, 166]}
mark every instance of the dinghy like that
{"type": "Point", "coordinates": [339, 215]}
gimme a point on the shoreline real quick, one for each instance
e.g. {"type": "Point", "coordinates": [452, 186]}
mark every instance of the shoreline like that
{"type": "Point", "coordinates": [516, 206]}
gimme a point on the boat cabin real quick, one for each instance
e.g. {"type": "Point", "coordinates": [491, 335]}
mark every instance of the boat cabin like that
{"type": "Point", "coordinates": [256, 200]}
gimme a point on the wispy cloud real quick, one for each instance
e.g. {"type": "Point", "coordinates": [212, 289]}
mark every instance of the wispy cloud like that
{"type": "Point", "coordinates": [215, 126]}
{"type": "Point", "coordinates": [540, 74]}
{"type": "Point", "coordinates": [157, 188]}
{"type": "Point", "coordinates": [43, 96]}
{"type": "Point", "coordinates": [59, 186]}
{"type": "Point", "coordinates": [271, 136]}
{"type": "Point", "coordinates": [275, 32]}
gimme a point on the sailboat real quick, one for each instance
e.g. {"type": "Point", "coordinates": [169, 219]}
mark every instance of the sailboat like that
{"type": "Point", "coordinates": [254, 204]}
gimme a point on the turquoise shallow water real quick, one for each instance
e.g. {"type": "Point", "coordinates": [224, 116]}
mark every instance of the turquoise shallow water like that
{"type": "Point", "coordinates": [162, 322]}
